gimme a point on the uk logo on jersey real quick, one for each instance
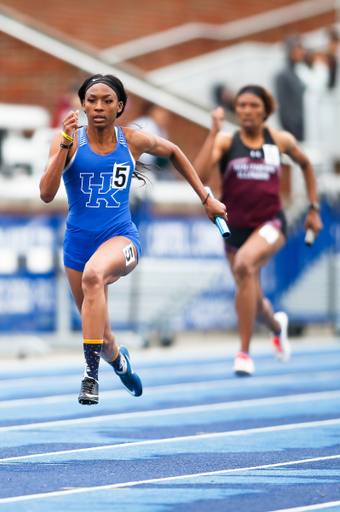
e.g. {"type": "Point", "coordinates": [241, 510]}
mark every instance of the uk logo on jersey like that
{"type": "Point", "coordinates": [103, 191]}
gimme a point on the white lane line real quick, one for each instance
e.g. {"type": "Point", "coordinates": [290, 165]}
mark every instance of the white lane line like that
{"type": "Point", "coordinates": [167, 388]}
{"type": "Point", "coordinates": [165, 479]}
{"type": "Point", "coordinates": [305, 397]}
{"type": "Point", "coordinates": [320, 506]}
{"type": "Point", "coordinates": [173, 371]}
{"type": "Point", "coordinates": [174, 388]}
{"type": "Point", "coordinates": [199, 437]}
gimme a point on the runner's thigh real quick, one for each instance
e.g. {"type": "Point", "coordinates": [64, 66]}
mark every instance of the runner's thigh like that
{"type": "Point", "coordinates": [114, 258]}
{"type": "Point", "coordinates": [260, 247]}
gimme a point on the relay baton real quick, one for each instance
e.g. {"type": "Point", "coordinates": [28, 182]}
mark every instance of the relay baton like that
{"type": "Point", "coordinates": [220, 222]}
{"type": "Point", "coordinates": [310, 237]}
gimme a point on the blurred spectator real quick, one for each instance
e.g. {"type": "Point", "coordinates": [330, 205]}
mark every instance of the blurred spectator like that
{"type": "Point", "coordinates": [290, 89]}
{"type": "Point", "coordinates": [67, 101]}
{"type": "Point", "coordinates": [332, 54]}
{"type": "Point", "coordinates": [314, 72]}
{"type": "Point", "coordinates": [156, 120]}
{"type": "Point", "coordinates": [224, 97]}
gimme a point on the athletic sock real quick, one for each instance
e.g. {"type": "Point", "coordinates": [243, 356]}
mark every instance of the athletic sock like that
{"type": "Point", "coordinates": [118, 363]}
{"type": "Point", "coordinates": [92, 351]}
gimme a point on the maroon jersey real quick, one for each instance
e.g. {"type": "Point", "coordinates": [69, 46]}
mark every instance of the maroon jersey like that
{"type": "Point", "coordinates": [250, 182]}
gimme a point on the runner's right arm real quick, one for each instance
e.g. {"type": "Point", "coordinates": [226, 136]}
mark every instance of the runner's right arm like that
{"type": "Point", "coordinates": [206, 162]}
{"type": "Point", "coordinates": [58, 157]}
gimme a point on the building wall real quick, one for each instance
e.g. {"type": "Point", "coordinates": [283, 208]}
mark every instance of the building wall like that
{"type": "Point", "coordinates": [109, 22]}
{"type": "Point", "coordinates": [197, 47]}
{"type": "Point", "coordinates": [188, 136]}
{"type": "Point", "coordinates": [30, 76]}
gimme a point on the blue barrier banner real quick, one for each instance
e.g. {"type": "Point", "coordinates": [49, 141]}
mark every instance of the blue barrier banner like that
{"type": "Point", "coordinates": [191, 237]}
{"type": "Point", "coordinates": [196, 239]}
{"type": "Point", "coordinates": [29, 252]}
{"type": "Point", "coordinates": [28, 303]}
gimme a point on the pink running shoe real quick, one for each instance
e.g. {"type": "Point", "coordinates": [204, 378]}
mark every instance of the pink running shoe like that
{"type": "Point", "coordinates": [244, 365]}
{"type": "Point", "coordinates": [280, 342]}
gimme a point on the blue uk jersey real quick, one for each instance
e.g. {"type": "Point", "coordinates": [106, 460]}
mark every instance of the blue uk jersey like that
{"type": "Point", "coordinates": [98, 186]}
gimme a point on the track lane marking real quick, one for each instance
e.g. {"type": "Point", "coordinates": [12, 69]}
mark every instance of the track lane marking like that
{"type": "Point", "coordinates": [211, 368]}
{"type": "Point", "coordinates": [165, 479]}
{"type": "Point", "coordinates": [319, 506]}
{"type": "Point", "coordinates": [187, 386]}
{"type": "Point", "coordinates": [303, 397]}
{"type": "Point", "coordinates": [176, 371]}
{"type": "Point", "coordinates": [181, 410]}
{"type": "Point", "coordinates": [151, 442]}
{"type": "Point", "coordinates": [192, 386]}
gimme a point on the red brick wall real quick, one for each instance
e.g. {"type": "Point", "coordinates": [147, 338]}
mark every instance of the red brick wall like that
{"type": "Point", "coordinates": [109, 22]}
{"type": "Point", "coordinates": [188, 136]}
{"type": "Point", "coordinates": [191, 49]}
{"type": "Point", "coordinates": [29, 76]}
{"type": "Point", "coordinates": [33, 77]}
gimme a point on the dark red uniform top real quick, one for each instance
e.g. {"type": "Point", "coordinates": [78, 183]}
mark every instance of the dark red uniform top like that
{"type": "Point", "coordinates": [250, 182]}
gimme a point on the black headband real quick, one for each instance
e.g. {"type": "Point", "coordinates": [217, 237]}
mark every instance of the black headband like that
{"type": "Point", "coordinates": [258, 92]}
{"type": "Point", "coordinates": [107, 81]}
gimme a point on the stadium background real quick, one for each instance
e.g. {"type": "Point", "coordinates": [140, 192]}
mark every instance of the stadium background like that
{"type": "Point", "coordinates": [183, 282]}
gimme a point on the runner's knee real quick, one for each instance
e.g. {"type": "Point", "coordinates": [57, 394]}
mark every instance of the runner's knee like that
{"type": "Point", "coordinates": [242, 269]}
{"type": "Point", "coordinates": [92, 279]}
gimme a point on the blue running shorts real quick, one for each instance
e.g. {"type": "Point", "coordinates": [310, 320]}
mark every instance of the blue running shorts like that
{"type": "Point", "coordinates": [81, 244]}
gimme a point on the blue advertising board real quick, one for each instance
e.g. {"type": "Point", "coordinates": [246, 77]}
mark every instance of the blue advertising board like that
{"type": "Point", "coordinates": [29, 248]}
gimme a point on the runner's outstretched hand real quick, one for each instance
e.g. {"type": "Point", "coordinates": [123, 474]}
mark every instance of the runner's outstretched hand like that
{"type": "Point", "coordinates": [215, 208]}
{"type": "Point", "coordinates": [70, 123]}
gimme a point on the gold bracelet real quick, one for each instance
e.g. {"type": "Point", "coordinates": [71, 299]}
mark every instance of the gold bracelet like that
{"type": "Point", "coordinates": [67, 136]}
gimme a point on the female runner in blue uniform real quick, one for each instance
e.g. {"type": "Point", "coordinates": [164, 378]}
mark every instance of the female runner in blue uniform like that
{"type": "Point", "coordinates": [101, 244]}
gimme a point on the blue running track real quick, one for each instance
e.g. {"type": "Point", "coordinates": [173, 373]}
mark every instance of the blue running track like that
{"type": "Point", "coordinates": [198, 440]}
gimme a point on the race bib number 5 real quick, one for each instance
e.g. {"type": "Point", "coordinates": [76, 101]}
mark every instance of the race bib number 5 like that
{"type": "Point", "coordinates": [129, 254]}
{"type": "Point", "coordinates": [120, 176]}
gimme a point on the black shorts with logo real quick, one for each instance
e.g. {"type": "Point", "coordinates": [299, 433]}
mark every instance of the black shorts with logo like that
{"type": "Point", "coordinates": [238, 236]}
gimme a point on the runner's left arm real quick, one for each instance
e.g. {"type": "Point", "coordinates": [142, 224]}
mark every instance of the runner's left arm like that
{"type": "Point", "coordinates": [145, 142]}
{"type": "Point", "coordinates": [292, 149]}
